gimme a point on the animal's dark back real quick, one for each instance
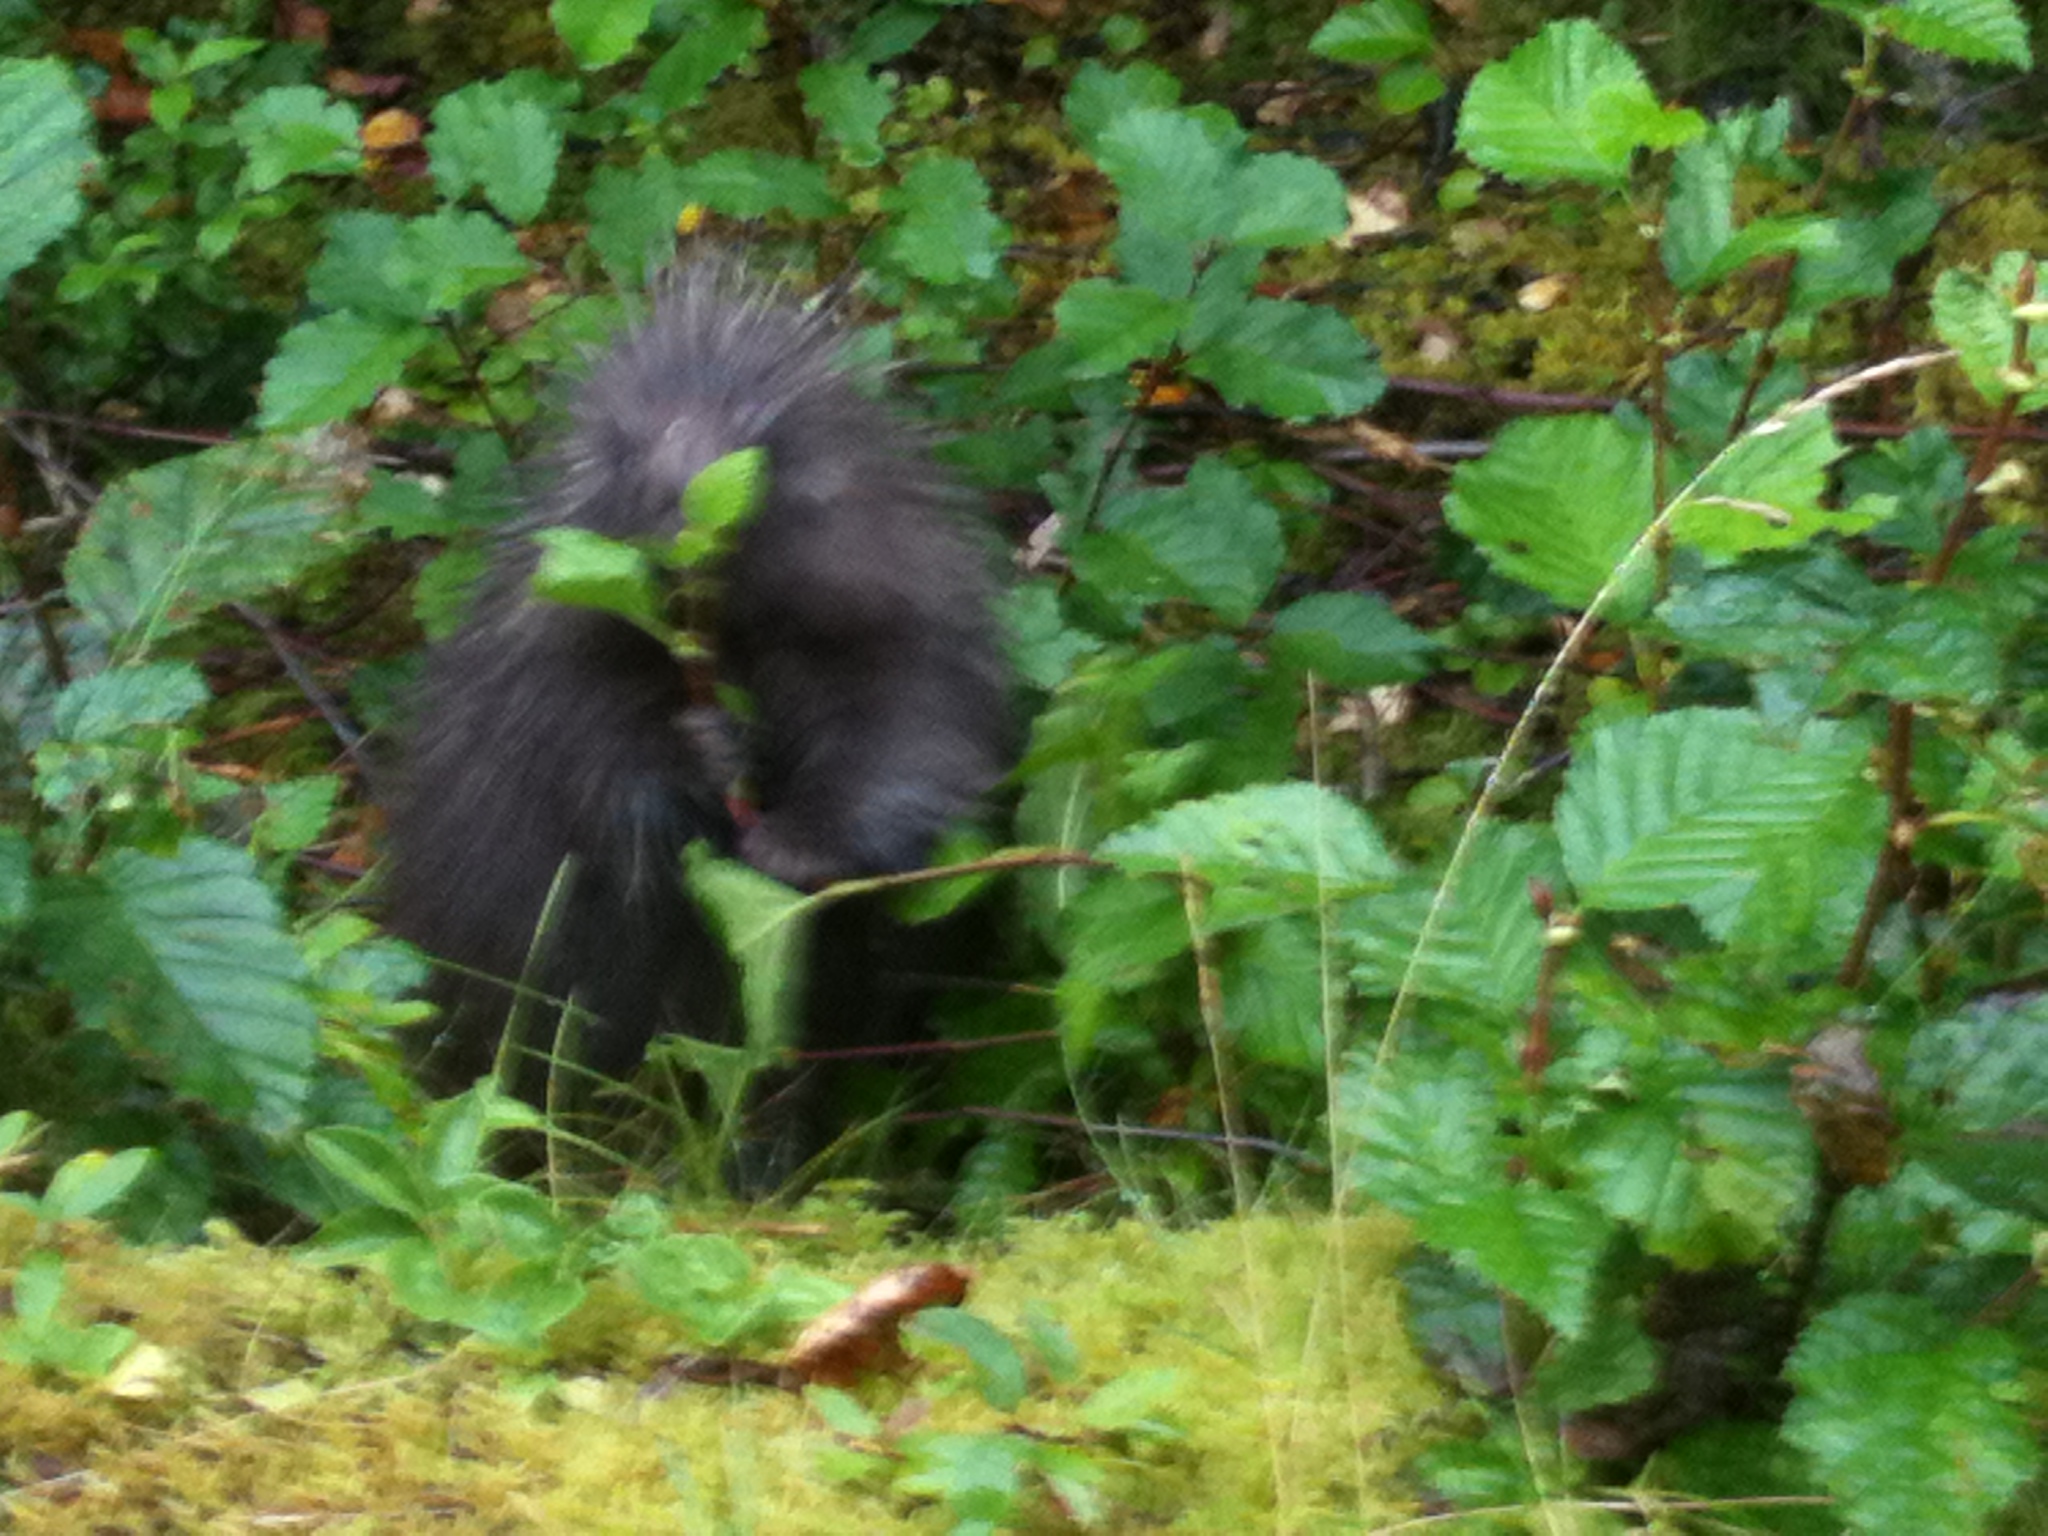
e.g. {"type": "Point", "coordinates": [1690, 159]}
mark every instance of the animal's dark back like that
{"type": "Point", "coordinates": [552, 741]}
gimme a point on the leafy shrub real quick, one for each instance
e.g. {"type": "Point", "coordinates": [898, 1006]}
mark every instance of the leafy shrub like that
{"type": "Point", "coordinates": [1703, 1056]}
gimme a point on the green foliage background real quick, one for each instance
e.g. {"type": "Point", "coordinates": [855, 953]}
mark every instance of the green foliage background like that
{"type": "Point", "coordinates": [1632, 879]}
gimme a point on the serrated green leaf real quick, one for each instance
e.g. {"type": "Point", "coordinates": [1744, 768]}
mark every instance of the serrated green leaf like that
{"type": "Point", "coordinates": [1487, 942]}
{"type": "Point", "coordinates": [1914, 1422]}
{"type": "Point", "coordinates": [717, 35]}
{"type": "Point", "coordinates": [1173, 173]}
{"type": "Point", "coordinates": [1973, 313]}
{"type": "Point", "coordinates": [633, 215]}
{"type": "Point", "coordinates": [45, 146]}
{"type": "Point", "coordinates": [1213, 541]}
{"type": "Point", "coordinates": [1427, 1148]}
{"type": "Point", "coordinates": [107, 705]}
{"type": "Point", "coordinates": [747, 183]}
{"type": "Point", "coordinates": [1350, 640]}
{"type": "Point", "coordinates": [1110, 325]}
{"type": "Point", "coordinates": [1856, 255]}
{"type": "Point", "coordinates": [1558, 503]}
{"type": "Point", "coordinates": [1273, 994]}
{"type": "Point", "coordinates": [1687, 808]}
{"type": "Point", "coordinates": [167, 544]}
{"type": "Point", "coordinates": [1568, 105]}
{"type": "Point", "coordinates": [499, 136]}
{"type": "Point", "coordinates": [581, 569]}
{"type": "Point", "coordinates": [944, 231]}
{"type": "Point", "coordinates": [1706, 1166]}
{"type": "Point", "coordinates": [1764, 490]}
{"type": "Point", "coordinates": [1378, 32]}
{"type": "Point", "coordinates": [188, 956]}
{"type": "Point", "coordinates": [1928, 644]}
{"type": "Point", "coordinates": [1100, 95]}
{"type": "Point", "coordinates": [325, 368]}
{"type": "Point", "coordinates": [1977, 31]}
{"type": "Point", "coordinates": [600, 32]}
{"type": "Point", "coordinates": [294, 130]}
{"type": "Point", "coordinates": [1295, 360]}
{"type": "Point", "coordinates": [999, 1374]}
{"type": "Point", "coordinates": [1131, 1403]}
{"type": "Point", "coordinates": [1294, 833]}
{"type": "Point", "coordinates": [849, 101]}
{"type": "Point", "coordinates": [1286, 202]}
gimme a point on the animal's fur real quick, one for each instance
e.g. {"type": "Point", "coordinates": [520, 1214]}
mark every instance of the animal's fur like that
{"type": "Point", "coordinates": [855, 611]}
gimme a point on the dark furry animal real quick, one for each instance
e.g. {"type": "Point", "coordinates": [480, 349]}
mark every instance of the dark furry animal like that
{"type": "Point", "coordinates": [854, 611]}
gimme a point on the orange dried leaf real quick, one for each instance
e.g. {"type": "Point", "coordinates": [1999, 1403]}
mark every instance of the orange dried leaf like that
{"type": "Point", "coordinates": [390, 130]}
{"type": "Point", "coordinates": [861, 1335]}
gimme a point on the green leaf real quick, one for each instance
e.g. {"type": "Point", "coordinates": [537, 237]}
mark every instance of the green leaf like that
{"type": "Point", "coordinates": [1930, 644]}
{"type": "Point", "coordinates": [1408, 88]}
{"type": "Point", "coordinates": [1213, 541]}
{"type": "Point", "coordinates": [108, 705]}
{"type": "Point", "coordinates": [328, 367]}
{"type": "Point", "coordinates": [1379, 32]}
{"type": "Point", "coordinates": [294, 130]}
{"type": "Point", "coordinates": [1427, 1149]}
{"type": "Point", "coordinates": [1701, 244]}
{"type": "Point", "coordinates": [1562, 533]}
{"type": "Point", "coordinates": [764, 925]}
{"type": "Point", "coordinates": [849, 101]}
{"type": "Point", "coordinates": [1916, 1424]}
{"type": "Point", "coordinates": [1350, 640]}
{"type": "Point", "coordinates": [720, 499]}
{"type": "Point", "coordinates": [634, 213]}
{"type": "Point", "coordinates": [1273, 994]}
{"type": "Point", "coordinates": [944, 232]}
{"type": "Point", "coordinates": [748, 183]}
{"type": "Point", "coordinates": [1295, 360]}
{"type": "Point", "coordinates": [1286, 202]}
{"type": "Point", "coordinates": [1568, 105]}
{"type": "Point", "coordinates": [499, 136]}
{"type": "Point", "coordinates": [600, 32]}
{"type": "Point", "coordinates": [1100, 95]}
{"type": "Point", "coordinates": [1295, 834]}
{"type": "Point", "coordinates": [998, 1368]}
{"type": "Point", "coordinates": [16, 872]}
{"type": "Point", "coordinates": [1488, 940]}
{"type": "Point", "coordinates": [1856, 255]}
{"type": "Point", "coordinates": [188, 956]}
{"type": "Point", "coordinates": [1764, 490]}
{"type": "Point", "coordinates": [1708, 1166]}
{"type": "Point", "coordinates": [581, 569]}
{"type": "Point", "coordinates": [1109, 325]}
{"type": "Point", "coordinates": [1691, 808]}
{"type": "Point", "coordinates": [1174, 176]}
{"type": "Point", "coordinates": [92, 1181]}
{"type": "Point", "coordinates": [167, 544]}
{"type": "Point", "coordinates": [372, 1164]}
{"type": "Point", "coordinates": [717, 34]}
{"type": "Point", "coordinates": [1977, 31]}
{"type": "Point", "coordinates": [45, 146]}
{"type": "Point", "coordinates": [1973, 313]}
{"type": "Point", "coordinates": [1134, 1403]}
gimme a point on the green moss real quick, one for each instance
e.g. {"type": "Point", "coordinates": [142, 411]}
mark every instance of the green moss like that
{"type": "Point", "coordinates": [267, 1387]}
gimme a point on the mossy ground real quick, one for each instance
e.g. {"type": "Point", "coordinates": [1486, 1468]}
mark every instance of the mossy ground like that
{"type": "Point", "coordinates": [265, 1392]}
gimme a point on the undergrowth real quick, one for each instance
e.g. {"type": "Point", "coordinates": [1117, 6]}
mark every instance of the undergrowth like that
{"type": "Point", "coordinates": [1633, 883]}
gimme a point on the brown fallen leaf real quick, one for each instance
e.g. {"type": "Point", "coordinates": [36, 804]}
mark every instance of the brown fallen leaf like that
{"type": "Point", "coordinates": [861, 1335]}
